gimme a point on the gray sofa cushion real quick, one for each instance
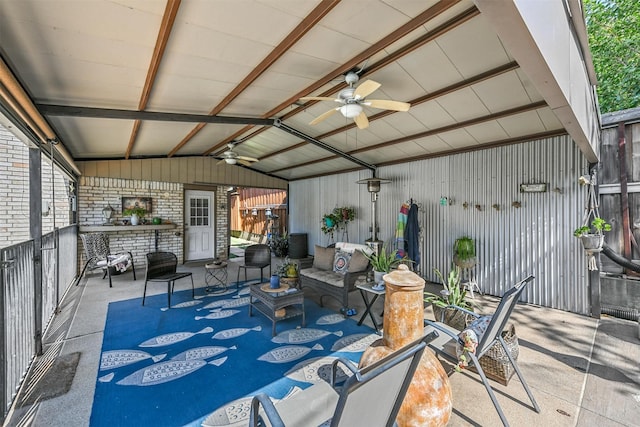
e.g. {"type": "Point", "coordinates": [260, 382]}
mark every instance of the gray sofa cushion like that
{"type": "Point", "coordinates": [326, 276]}
{"type": "Point", "coordinates": [323, 258]}
{"type": "Point", "coordinates": [358, 261]}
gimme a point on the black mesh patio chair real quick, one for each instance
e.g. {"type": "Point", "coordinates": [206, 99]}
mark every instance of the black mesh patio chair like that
{"type": "Point", "coordinates": [446, 345]}
{"type": "Point", "coordinates": [255, 256]}
{"type": "Point", "coordinates": [98, 254]}
{"type": "Point", "coordinates": [370, 397]}
{"type": "Point", "coordinates": [161, 267]}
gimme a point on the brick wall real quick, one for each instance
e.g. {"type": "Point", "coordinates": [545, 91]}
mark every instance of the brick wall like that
{"type": "Point", "coordinates": [14, 192]}
{"type": "Point", "coordinates": [94, 194]}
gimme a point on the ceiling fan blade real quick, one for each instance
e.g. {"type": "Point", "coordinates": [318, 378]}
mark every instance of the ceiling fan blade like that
{"type": "Point", "coordinates": [361, 121]}
{"type": "Point", "coordinates": [247, 159]}
{"type": "Point", "coordinates": [365, 88]}
{"type": "Point", "coordinates": [386, 104]}
{"type": "Point", "coordinates": [318, 98]}
{"type": "Point", "coordinates": [323, 116]}
{"type": "Point", "coordinates": [220, 162]}
{"type": "Point", "coordinates": [243, 162]}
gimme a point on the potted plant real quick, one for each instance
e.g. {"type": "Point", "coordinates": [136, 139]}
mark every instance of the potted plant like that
{"type": "Point", "coordinates": [288, 272]}
{"type": "Point", "coordinates": [329, 223]}
{"type": "Point", "coordinates": [280, 245]}
{"type": "Point", "coordinates": [383, 262]}
{"type": "Point", "coordinates": [464, 252]}
{"type": "Point", "coordinates": [135, 213]}
{"type": "Point", "coordinates": [452, 294]}
{"type": "Point", "coordinates": [592, 237]}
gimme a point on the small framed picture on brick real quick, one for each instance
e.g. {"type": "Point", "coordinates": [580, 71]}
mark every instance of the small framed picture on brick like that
{"type": "Point", "coordinates": [132, 202]}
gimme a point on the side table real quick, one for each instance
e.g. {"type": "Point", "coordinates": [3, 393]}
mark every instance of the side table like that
{"type": "Point", "coordinates": [366, 288]}
{"type": "Point", "coordinates": [276, 304]}
{"type": "Point", "coordinates": [215, 277]}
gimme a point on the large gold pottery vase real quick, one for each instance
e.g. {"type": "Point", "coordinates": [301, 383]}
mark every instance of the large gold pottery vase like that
{"type": "Point", "coordinates": [428, 401]}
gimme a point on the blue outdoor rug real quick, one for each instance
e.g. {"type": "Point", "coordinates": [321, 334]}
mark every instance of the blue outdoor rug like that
{"type": "Point", "coordinates": [201, 361]}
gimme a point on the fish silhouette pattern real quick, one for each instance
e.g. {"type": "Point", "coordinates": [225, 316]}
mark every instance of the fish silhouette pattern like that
{"type": "Point", "coordinates": [287, 353]}
{"type": "Point", "coordinates": [106, 378]}
{"type": "Point", "coordinates": [236, 413]}
{"type": "Point", "coordinates": [116, 358]}
{"type": "Point", "coordinates": [354, 343]}
{"type": "Point", "coordinates": [242, 292]}
{"type": "Point", "coordinates": [218, 314]}
{"type": "Point", "coordinates": [202, 352]}
{"type": "Point", "coordinates": [216, 295]}
{"type": "Point", "coordinates": [234, 333]}
{"type": "Point", "coordinates": [168, 339]}
{"type": "Point", "coordinates": [186, 304]}
{"type": "Point", "coordinates": [302, 335]}
{"type": "Point", "coordinates": [166, 371]}
{"type": "Point", "coordinates": [317, 369]}
{"type": "Point", "coordinates": [240, 302]}
{"type": "Point", "coordinates": [330, 319]}
{"type": "Point", "coordinates": [214, 304]}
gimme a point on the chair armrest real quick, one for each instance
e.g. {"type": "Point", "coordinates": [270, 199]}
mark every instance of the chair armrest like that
{"type": "Point", "coordinates": [344, 361]}
{"type": "Point", "coordinates": [269, 410]}
{"type": "Point", "coordinates": [438, 328]}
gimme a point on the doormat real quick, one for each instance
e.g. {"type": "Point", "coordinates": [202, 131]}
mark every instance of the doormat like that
{"type": "Point", "coordinates": [49, 379]}
{"type": "Point", "coordinates": [187, 365]}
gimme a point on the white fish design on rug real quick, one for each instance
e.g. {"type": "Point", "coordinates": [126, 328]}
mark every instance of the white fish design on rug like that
{"type": "Point", "coordinates": [216, 295]}
{"type": "Point", "coordinates": [288, 353]}
{"type": "Point", "coordinates": [168, 339]}
{"type": "Point", "coordinates": [116, 358]}
{"type": "Point", "coordinates": [234, 333]}
{"type": "Point", "coordinates": [330, 319]}
{"type": "Point", "coordinates": [214, 304]}
{"type": "Point", "coordinates": [218, 314]}
{"type": "Point", "coordinates": [166, 371]}
{"type": "Point", "coordinates": [236, 413]}
{"type": "Point", "coordinates": [243, 291]}
{"type": "Point", "coordinates": [185, 304]}
{"type": "Point", "coordinates": [106, 378]}
{"type": "Point", "coordinates": [202, 352]}
{"type": "Point", "coordinates": [354, 343]}
{"type": "Point", "coordinates": [316, 369]}
{"type": "Point", "coordinates": [302, 335]}
{"type": "Point", "coordinates": [240, 302]}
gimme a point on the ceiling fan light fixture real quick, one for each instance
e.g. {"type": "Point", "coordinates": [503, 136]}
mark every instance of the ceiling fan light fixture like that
{"type": "Point", "coordinates": [231, 161]}
{"type": "Point", "coordinates": [351, 111]}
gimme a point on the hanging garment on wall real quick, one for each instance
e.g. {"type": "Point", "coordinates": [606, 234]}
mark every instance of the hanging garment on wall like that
{"type": "Point", "coordinates": [412, 236]}
{"type": "Point", "coordinates": [401, 244]}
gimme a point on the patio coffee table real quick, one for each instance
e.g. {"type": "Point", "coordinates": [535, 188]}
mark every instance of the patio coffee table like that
{"type": "Point", "coordinates": [276, 304]}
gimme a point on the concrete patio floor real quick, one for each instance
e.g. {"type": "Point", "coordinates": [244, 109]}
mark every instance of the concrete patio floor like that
{"type": "Point", "coordinates": [582, 371]}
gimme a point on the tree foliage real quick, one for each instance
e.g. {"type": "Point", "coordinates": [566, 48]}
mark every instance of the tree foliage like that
{"type": "Point", "coordinates": [614, 40]}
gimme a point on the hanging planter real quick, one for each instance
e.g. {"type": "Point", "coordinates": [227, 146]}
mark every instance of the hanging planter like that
{"type": "Point", "coordinates": [592, 238]}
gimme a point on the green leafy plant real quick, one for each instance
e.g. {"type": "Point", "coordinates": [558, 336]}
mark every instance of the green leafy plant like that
{"type": "Point", "coordinates": [464, 248]}
{"type": "Point", "coordinates": [280, 245]}
{"type": "Point", "coordinates": [337, 219]}
{"type": "Point", "coordinates": [287, 268]}
{"type": "Point", "coordinates": [598, 226]}
{"type": "Point", "coordinates": [452, 294]}
{"type": "Point", "coordinates": [383, 261]}
{"type": "Point", "coordinates": [141, 212]}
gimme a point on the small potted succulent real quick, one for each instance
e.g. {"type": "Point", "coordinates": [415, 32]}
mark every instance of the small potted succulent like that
{"type": "Point", "coordinates": [453, 293]}
{"type": "Point", "coordinates": [384, 262]}
{"type": "Point", "coordinates": [288, 272]}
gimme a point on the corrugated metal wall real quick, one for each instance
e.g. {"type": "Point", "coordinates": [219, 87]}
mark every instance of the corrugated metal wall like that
{"type": "Point", "coordinates": [535, 238]}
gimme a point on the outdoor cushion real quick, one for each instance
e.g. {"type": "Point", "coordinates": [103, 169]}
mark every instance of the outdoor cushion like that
{"type": "Point", "coordinates": [341, 262]}
{"type": "Point", "coordinates": [358, 262]}
{"type": "Point", "coordinates": [323, 258]}
{"type": "Point", "coordinates": [326, 276]}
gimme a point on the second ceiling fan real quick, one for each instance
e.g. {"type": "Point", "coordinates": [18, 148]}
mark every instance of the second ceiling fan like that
{"type": "Point", "coordinates": [352, 100]}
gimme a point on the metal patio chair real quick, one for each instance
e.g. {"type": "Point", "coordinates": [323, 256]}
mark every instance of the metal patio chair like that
{"type": "Point", "coordinates": [371, 397]}
{"type": "Point", "coordinates": [161, 267]}
{"type": "Point", "coordinates": [255, 256]}
{"type": "Point", "coordinates": [449, 340]}
{"type": "Point", "coordinates": [98, 253]}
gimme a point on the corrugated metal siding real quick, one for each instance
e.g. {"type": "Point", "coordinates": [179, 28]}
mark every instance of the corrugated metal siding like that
{"type": "Point", "coordinates": [511, 242]}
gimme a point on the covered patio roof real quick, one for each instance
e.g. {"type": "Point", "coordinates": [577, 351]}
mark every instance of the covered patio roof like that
{"type": "Point", "coordinates": [154, 79]}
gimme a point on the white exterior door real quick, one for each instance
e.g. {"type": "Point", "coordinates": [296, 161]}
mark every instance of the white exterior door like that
{"type": "Point", "coordinates": [199, 225]}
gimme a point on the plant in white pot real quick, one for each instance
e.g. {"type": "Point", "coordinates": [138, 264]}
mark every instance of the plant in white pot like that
{"type": "Point", "coordinates": [592, 236]}
{"type": "Point", "coordinates": [383, 262]}
{"type": "Point", "coordinates": [135, 214]}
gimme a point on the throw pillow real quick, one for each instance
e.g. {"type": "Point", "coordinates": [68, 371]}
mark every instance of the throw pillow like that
{"type": "Point", "coordinates": [341, 262]}
{"type": "Point", "coordinates": [358, 262]}
{"type": "Point", "coordinates": [323, 258]}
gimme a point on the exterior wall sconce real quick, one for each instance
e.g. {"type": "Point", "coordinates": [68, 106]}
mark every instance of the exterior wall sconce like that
{"type": "Point", "coordinates": [267, 212]}
{"type": "Point", "coordinates": [254, 212]}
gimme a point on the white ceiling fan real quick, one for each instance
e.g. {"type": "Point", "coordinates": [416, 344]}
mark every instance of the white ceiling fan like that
{"type": "Point", "coordinates": [352, 100]}
{"type": "Point", "coordinates": [230, 157]}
